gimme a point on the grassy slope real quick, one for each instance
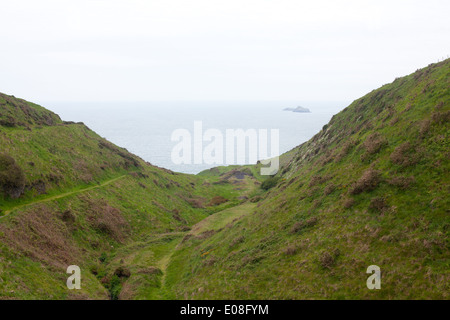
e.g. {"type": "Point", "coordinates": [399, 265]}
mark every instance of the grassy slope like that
{"type": "Point", "coordinates": [149, 258]}
{"type": "Point", "coordinates": [90, 203]}
{"type": "Point", "coordinates": [371, 188]}
{"type": "Point", "coordinates": [84, 198]}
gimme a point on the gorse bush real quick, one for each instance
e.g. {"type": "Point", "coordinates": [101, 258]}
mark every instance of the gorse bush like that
{"type": "Point", "coordinates": [217, 200]}
{"type": "Point", "coordinates": [12, 178]}
{"type": "Point", "coordinates": [328, 258]}
{"type": "Point", "coordinates": [374, 143]}
{"type": "Point", "coordinates": [404, 155]}
{"type": "Point", "coordinates": [368, 181]}
{"type": "Point", "coordinates": [290, 250]}
{"type": "Point", "coordinates": [346, 148]}
{"type": "Point", "coordinates": [8, 122]}
{"type": "Point", "coordinates": [378, 204]}
{"type": "Point", "coordinates": [270, 183]}
{"type": "Point", "coordinates": [299, 226]}
{"type": "Point", "coordinates": [122, 272]}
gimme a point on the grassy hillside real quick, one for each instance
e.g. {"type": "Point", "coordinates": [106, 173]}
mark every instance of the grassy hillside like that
{"type": "Point", "coordinates": [370, 189]}
{"type": "Point", "coordinates": [68, 196]}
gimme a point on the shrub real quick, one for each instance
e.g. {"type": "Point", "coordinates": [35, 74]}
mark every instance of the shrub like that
{"type": "Point", "coordinates": [9, 121]}
{"type": "Point", "coordinates": [217, 200]}
{"type": "Point", "coordinates": [68, 216]}
{"type": "Point", "coordinates": [368, 181]}
{"type": "Point", "coordinates": [12, 178]}
{"type": "Point", "coordinates": [440, 117]}
{"type": "Point", "coordinates": [374, 143]}
{"type": "Point", "coordinates": [107, 220]}
{"type": "Point", "coordinates": [326, 158]}
{"type": "Point", "coordinates": [404, 155]}
{"type": "Point", "coordinates": [195, 203]}
{"type": "Point", "coordinates": [328, 259]}
{"type": "Point", "coordinates": [269, 183]}
{"type": "Point", "coordinates": [298, 226]}
{"type": "Point", "coordinates": [348, 145]}
{"type": "Point", "coordinates": [378, 204]}
{"type": "Point", "coordinates": [122, 272]}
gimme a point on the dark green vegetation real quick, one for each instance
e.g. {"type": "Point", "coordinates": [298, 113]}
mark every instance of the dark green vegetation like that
{"type": "Point", "coordinates": [370, 188]}
{"type": "Point", "coordinates": [12, 178]}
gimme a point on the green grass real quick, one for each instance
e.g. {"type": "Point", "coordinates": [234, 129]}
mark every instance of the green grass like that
{"type": "Point", "coordinates": [312, 235]}
{"type": "Point", "coordinates": [92, 198]}
{"type": "Point", "coordinates": [220, 219]}
{"type": "Point", "coordinates": [260, 257]}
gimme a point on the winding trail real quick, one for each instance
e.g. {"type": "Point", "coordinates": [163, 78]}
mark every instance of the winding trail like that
{"type": "Point", "coordinates": [215, 221]}
{"type": "Point", "coordinates": [62, 195]}
{"type": "Point", "coordinates": [163, 264]}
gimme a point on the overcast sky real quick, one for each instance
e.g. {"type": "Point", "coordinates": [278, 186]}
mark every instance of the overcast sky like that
{"type": "Point", "coordinates": [136, 50]}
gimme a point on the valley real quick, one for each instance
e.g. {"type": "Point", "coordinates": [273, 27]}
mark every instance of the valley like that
{"type": "Point", "coordinates": [371, 188]}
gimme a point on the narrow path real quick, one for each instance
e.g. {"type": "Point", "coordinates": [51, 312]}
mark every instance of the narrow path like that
{"type": "Point", "coordinates": [62, 195]}
{"type": "Point", "coordinates": [213, 222]}
{"type": "Point", "coordinates": [163, 264]}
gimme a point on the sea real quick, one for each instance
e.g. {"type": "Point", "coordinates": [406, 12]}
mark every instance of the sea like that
{"type": "Point", "coordinates": [146, 128]}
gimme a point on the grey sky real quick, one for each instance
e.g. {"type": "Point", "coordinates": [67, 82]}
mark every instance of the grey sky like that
{"type": "Point", "coordinates": [104, 50]}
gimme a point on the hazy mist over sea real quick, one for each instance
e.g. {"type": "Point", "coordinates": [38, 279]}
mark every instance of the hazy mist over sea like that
{"type": "Point", "coordinates": [145, 128]}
